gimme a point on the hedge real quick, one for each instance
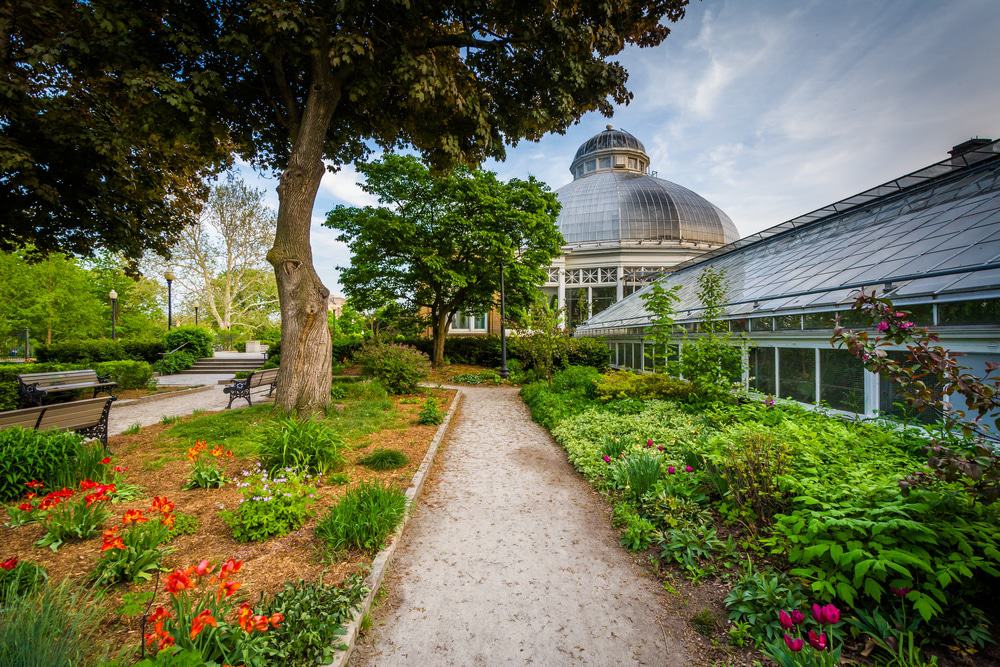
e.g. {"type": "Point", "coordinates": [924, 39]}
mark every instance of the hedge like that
{"type": "Point", "coordinates": [199, 340]}
{"type": "Point", "coordinates": [100, 349]}
{"type": "Point", "coordinates": [128, 374]}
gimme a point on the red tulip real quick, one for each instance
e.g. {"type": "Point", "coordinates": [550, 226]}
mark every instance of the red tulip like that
{"type": "Point", "coordinates": [818, 642]}
{"type": "Point", "coordinates": [817, 613]}
{"type": "Point", "coordinates": [785, 620]}
{"type": "Point", "coordinates": [831, 614]}
{"type": "Point", "coordinates": [794, 645]}
{"type": "Point", "coordinates": [649, 443]}
{"type": "Point", "coordinates": [798, 617]}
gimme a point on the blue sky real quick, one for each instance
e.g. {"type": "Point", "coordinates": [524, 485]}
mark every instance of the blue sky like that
{"type": "Point", "coordinates": [772, 109]}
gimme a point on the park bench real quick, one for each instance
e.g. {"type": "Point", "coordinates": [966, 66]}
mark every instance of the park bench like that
{"type": "Point", "coordinates": [88, 417]}
{"type": "Point", "coordinates": [260, 378]}
{"type": "Point", "coordinates": [34, 388]}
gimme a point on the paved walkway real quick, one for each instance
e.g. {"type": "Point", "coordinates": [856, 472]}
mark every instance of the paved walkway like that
{"type": "Point", "coordinates": [510, 559]}
{"type": "Point", "coordinates": [151, 412]}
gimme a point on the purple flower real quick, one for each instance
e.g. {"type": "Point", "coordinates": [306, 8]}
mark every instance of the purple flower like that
{"type": "Point", "coordinates": [661, 448]}
{"type": "Point", "coordinates": [798, 617]}
{"type": "Point", "coordinates": [901, 592]}
{"type": "Point", "coordinates": [688, 469]}
{"type": "Point", "coordinates": [906, 325]}
{"type": "Point", "coordinates": [649, 442]}
{"type": "Point", "coordinates": [882, 326]}
{"type": "Point", "coordinates": [818, 642]}
{"type": "Point", "coordinates": [607, 459]}
{"type": "Point", "coordinates": [671, 469]}
{"type": "Point", "coordinates": [785, 620]}
{"type": "Point", "coordinates": [794, 645]}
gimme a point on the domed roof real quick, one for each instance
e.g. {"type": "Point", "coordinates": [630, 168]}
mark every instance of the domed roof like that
{"type": "Point", "coordinates": [624, 206]}
{"type": "Point", "coordinates": [609, 138]}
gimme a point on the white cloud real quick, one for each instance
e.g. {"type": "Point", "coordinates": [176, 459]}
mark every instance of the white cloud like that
{"type": "Point", "coordinates": [343, 185]}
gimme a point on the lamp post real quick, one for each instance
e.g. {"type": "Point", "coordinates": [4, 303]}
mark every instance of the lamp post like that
{"type": "Point", "coordinates": [196, 315]}
{"type": "Point", "coordinates": [504, 373]}
{"type": "Point", "coordinates": [169, 275]}
{"type": "Point", "coordinates": [113, 295]}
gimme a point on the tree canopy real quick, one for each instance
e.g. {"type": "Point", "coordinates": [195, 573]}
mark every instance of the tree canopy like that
{"type": "Point", "coordinates": [436, 241]}
{"type": "Point", "coordinates": [136, 101]}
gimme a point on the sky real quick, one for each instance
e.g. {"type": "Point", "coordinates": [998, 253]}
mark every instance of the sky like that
{"type": "Point", "coordinates": [772, 109]}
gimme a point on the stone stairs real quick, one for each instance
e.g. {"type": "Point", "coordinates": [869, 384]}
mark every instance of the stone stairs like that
{"type": "Point", "coordinates": [216, 365]}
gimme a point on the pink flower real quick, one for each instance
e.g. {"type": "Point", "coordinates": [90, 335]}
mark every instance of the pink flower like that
{"type": "Point", "coordinates": [906, 325]}
{"type": "Point", "coordinates": [607, 459]}
{"type": "Point", "coordinates": [900, 315]}
{"type": "Point", "coordinates": [817, 613]}
{"type": "Point", "coordinates": [794, 645]}
{"type": "Point", "coordinates": [671, 469]}
{"type": "Point", "coordinates": [785, 620]}
{"type": "Point", "coordinates": [826, 615]}
{"type": "Point", "coordinates": [901, 592]}
{"type": "Point", "coordinates": [818, 642]}
{"type": "Point", "coordinates": [882, 326]}
{"type": "Point", "coordinates": [649, 442]}
{"type": "Point", "coordinates": [661, 448]}
{"type": "Point", "coordinates": [688, 469]}
{"type": "Point", "coordinates": [798, 617]}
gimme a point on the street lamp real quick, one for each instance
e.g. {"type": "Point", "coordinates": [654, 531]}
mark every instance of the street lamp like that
{"type": "Point", "coordinates": [504, 373]}
{"type": "Point", "coordinates": [196, 315]}
{"type": "Point", "coordinates": [169, 275]}
{"type": "Point", "coordinates": [113, 295]}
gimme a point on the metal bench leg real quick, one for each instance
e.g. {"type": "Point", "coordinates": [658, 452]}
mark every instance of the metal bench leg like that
{"type": "Point", "coordinates": [271, 390]}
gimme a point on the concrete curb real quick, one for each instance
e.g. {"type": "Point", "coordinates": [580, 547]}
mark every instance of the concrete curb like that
{"type": "Point", "coordinates": [163, 396]}
{"type": "Point", "coordinates": [382, 559]}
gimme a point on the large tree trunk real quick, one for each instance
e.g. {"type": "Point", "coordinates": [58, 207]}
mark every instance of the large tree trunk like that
{"type": "Point", "coordinates": [440, 333]}
{"type": "Point", "coordinates": [306, 352]}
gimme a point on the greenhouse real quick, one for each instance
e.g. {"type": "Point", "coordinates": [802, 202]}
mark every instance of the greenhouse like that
{"type": "Point", "coordinates": [929, 240]}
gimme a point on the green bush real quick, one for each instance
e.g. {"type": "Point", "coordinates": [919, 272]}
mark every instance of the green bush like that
{"type": "Point", "coordinates": [626, 384]}
{"type": "Point", "coordinates": [306, 445]}
{"type": "Point", "coordinates": [26, 455]}
{"type": "Point", "coordinates": [149, 351]}
{"type": "Point", "coordinates": [82, 351]}
{"type": "Point", "coordinates": [430, 413]}
{"type": "Point", "coordinates": [271, 506]}
{"type": "Point", "coordinates": [399, 368]}
{"type": "Point", "coordinates": [640, 471]}
{"type": "Point", "coordinates": [385, 459]}
{"type": "Point", "coordinates": [128, 374]}
{"type": "Point", "coordinates": [363, 519]}
{"type": "Point", "coordinates": [315, 616]}
{"type": "Point", "coordinates": [199, 340]}
{"type": "Point", "coordinates": [576, 379]}
{"type": "Point", "coordinates": [174, 362]}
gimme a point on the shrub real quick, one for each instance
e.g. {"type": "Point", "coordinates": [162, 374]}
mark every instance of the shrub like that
{"type": "Point", "coordinates": [306, 445]}
{"type": "Point", "coordinates": [271, 506]}
{"type": "Point", "coordinates": [135, 549]}
{"type": "Point", "coordinates": [199, 340]}
{"type": "Point", "coordinates": [206, 473]}
{"type": "Point", "coordinates": [385, 459]}
{"type": "Point", "coordinates": [430, 413]}
{"type": "Point", "coordinates": [752, 464]}
{"type": "Point", "coordinates": [482, 377]}
{"type": "Point", "coordinates": [56, 625]}
{"type": "Point", "coordinates": [203, 622]}
{"type": "Point", "coordinates": [174, 362]}
{"type": "Point", "coordinates": [625, 384]}
{"type": "Point", "coordinates": [314, 618]}
{"type": "Point", "coordinates": [19, 578]}
{"type": "Point", "coordinates": [593, 352]}
{"type": "Point", "coordinates": [150, 350]}
{"type": "Point", "coordinates": [399, 368]}
{"type": "Point", "coordinates": [363, 518]}
{"type": "Point", "coordinates": [8, 380]}
{"type": "Point", "coordinates": [576, 379]}
{"type": "Point", "coordinates": [638, 533]}
{"type": "Point", "coordinates": [756, 596]}
{"type": "Point", "coordinates": [82, 351]}
{"type": "Point", "coordinates": [27, 455]}
{"type": "Point", "coordinates": [128, 374]}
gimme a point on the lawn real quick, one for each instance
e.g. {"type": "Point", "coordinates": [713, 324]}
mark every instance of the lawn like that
{"type": "Point", "coordinates": [157, 461]}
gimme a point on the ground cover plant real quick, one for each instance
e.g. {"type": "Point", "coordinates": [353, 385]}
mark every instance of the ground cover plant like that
{"type": "Point", "coordinates": [147, 533]}
{"type": "Point", "coordinates": [785, 507]}
{"type": "Point", "coordinates": [363, 518]}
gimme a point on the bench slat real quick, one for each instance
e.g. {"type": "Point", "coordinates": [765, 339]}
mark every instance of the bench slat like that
{"type": "Point", "coordinates": [27, 418]}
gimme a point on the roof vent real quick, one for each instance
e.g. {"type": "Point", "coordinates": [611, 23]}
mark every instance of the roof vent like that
{"type": "Point", "coordinates": [972, 144]}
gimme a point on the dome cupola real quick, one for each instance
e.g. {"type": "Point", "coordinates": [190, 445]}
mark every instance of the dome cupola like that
{"type": "Point", "coordinates": [612, 149]}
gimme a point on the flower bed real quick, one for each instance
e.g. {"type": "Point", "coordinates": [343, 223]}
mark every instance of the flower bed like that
{"type": "Point", "coordinates": [780, 507]}
{"type": "Point", "coordinates": [161, 508]}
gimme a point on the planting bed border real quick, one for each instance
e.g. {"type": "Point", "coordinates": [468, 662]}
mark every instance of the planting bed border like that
{"type": "Point", "coordinates": [163, 395]}
{"type": "Point", "coordinates": [382, 559]}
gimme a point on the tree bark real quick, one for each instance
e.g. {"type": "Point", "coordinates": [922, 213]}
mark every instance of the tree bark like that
{"type": "Point", "coordinates": [306, 352]}
{"type": "Point", "coordinates": [440, 333]}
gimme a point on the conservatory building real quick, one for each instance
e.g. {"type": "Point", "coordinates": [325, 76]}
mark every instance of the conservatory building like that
{"type": "Point", "coordinates": [929, 240]}
{"type": "Point", "coordinates": [623, 226]}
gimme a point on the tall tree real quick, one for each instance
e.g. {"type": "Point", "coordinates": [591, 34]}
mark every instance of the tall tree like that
{"type": "Point", "coordinates": [219, 258]}
{"type": "Point", "coordinates": [437, 241]}
{"type": "Point", "coordinates": [288, 85]}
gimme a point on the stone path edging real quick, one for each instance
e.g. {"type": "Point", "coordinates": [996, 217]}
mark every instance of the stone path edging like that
{"type": "Point", "coordinates": [164, 395]}
{"type": "Point", "coordinates": [382, 559]}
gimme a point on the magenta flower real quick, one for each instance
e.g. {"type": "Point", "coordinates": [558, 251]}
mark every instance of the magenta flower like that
{"type": "Point", "coordinates": [769, 401]}
{"type": "Point", "coordinates": [688, 469]}
{"type": "Point", "coordinates": [661, 448]}
{"type": "Point", "coordinates": [794, 645]}
{"type": "Point", "coordinates": [817, 613]}
{"type": "Point", "coordinates": [900, 315]}
{"type": "Point", "coordinates": [901, 592]}
{"type": "Point", "coordinates": [826, 615]}
{"type": "Point", "coordinates": [818, 642]}
{"type": "Point", "coordinates": [882, 326]}
{"type": "Point", "coordinates": [607, 459]}
{"type": "Point", "coordinates": [785, 620]}
{"type": "Point", "coordinates": [906, 325]}
{"type": "Point", "coordinates": [649, 442]}
{"type": "Point", "coordinates": [671, 469]}
{"type": "Point", "coordinates": [798, 617]}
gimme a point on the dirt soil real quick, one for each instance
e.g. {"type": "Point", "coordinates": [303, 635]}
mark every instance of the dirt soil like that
{"type": "Point", "coordinates": [162, 470]}
{"type": "Point", "coordinates": [510, 558]}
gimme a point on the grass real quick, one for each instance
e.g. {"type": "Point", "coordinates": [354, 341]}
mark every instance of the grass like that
{"type": "Point", "coordinates": [237, 430]}
{"type": "Point", "coordinates": [169, 419]}
{"type": "Point", "coordinates": [133, 429]}
{"type": "Point", "coordinates": [303, 444]}
{"type": "Point", "coordinates": [363, 518]}
{"type": "Point", "coordinates": [385, 459]}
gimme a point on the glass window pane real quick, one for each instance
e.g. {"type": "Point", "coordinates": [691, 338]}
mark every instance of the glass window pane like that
{"type": "Point", "coordinates": [761, 324]}
{"type": "Point", "coordinates": [968, 312]}
{"type": "Point", "coordinates": [818, 320]}
{"type": "Point", "coordinates": [798, 374]}
{"type": "Point", "coordinates": [891, 401]}
{"type": "Point", "coordinates": [738, 324]}
{"type": "Point", "coordinates": [602, 297]}
{"type": "Point", "coordinates": [481, 322]}
{"type": "Point", "coordinates": [787, 323]}
{"type": "Point", "coordinates": [576, 306]}
{"type": "Point", "coordinates": [605, 163]}
{"type": "Point", "coordinates": [762, 369]}
{"type": "Point", "coordinates": [841, 380]}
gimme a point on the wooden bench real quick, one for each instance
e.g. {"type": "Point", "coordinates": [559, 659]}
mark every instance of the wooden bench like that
{"type": "Point", "coordinates": [34, 388]}
{"type": "Point", "coordinates": [242, 388]}
{"type": "Point", "coordinates": [88, 417]}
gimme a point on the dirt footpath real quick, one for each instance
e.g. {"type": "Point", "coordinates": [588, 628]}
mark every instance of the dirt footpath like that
{"type": "Point", "coordinates": [510, 559]}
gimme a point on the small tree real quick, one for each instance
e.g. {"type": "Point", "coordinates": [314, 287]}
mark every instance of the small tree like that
{"type": "Point", "coordinates": [660, 302]}
{"type": "Point", "coordinates": [544, 337]}
{"type": "Point", "coordinates": [712, 361]}
{"type": "Point", "coordinates": [437, 242]}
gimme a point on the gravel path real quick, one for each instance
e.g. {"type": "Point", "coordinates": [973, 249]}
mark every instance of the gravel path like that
{"type": "Point", "coordinates": [152, 412]}
{"type": "Point", "coordinates": [510, 559]}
